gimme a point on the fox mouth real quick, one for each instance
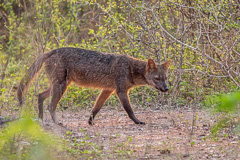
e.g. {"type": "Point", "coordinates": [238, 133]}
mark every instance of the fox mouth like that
{"type": "Point", "coordinates": [162, 90]}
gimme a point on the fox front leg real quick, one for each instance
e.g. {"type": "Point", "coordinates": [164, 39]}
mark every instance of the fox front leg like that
{"type": "Point", "coordinates": [124, 99]}
{"type": "Point", "coordinates": [102, 98]}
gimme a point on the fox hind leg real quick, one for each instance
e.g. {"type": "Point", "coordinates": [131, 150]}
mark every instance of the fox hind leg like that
{"type": "Point", "coordinates": [102, 98]}
{"type": "Point", "coordinates": [58, 90]}
{"type": "Point", "coordinates": [41, 97]}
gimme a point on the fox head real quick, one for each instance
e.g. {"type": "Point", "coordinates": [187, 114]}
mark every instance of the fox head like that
{"type": "Point", "coordinates": [156, 74]}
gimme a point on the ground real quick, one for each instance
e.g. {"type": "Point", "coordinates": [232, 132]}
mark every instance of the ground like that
{"type": "Point", "coordinates": [168, 134]}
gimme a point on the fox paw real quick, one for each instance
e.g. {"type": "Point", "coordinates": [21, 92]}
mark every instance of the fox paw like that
{"type": "Point", "coordinates": [90, 122]}
{"type": "Point", "coordinates": [142, 123]}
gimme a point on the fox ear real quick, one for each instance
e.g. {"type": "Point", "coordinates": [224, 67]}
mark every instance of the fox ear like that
{"type": "Point", "coordinates": [151, 65]}
{"type": "Point", "coordinates": [167, 64]}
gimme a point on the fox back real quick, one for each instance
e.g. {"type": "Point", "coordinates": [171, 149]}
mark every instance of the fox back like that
{"type": "Point", "coordinates": [98, 70]}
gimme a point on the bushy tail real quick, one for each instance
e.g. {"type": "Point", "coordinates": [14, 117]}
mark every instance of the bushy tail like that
{"type": "Point", "coordinates": [32, 72]}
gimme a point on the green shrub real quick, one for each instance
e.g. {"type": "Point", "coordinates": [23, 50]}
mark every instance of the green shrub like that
{"type": "Point", "coordinates": [229, 106]}
{"type": "Point", "coordinates": [25, 139]}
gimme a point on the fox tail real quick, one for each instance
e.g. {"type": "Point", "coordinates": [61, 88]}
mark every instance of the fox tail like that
{"type": "Point", "coordinates": [32, 72]}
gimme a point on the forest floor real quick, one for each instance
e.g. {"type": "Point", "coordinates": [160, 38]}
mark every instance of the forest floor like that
{"type": "Point", "coordinates": [168, 134]}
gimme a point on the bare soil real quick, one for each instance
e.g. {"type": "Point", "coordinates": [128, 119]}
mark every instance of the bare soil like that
{"type": "Point", "coordinates": [168, 134]}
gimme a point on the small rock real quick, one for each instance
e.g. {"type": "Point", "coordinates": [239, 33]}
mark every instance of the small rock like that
{"type": "Point", "coordinates": [164, 151]}
{"type": "Point", "coordinates": [234, 142]}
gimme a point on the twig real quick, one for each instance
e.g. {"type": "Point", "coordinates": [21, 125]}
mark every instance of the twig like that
{"type": "Point", "coordinates": [196, 49]}
{"type": "Point", "coordinates": [131, 37]}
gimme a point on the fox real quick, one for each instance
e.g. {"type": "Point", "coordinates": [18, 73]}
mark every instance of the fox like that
{"type": "Point", "coordinates": [112, 73]}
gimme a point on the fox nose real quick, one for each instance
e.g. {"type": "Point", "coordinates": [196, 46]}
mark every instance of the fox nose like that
{"type": "Point", "coordinates": [166, 89]}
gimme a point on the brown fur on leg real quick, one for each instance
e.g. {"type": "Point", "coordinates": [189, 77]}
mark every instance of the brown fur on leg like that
{"type": "Point", "coordinates": [102, 98]}
{"type": "Point", "coordinates": [41, 97]}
